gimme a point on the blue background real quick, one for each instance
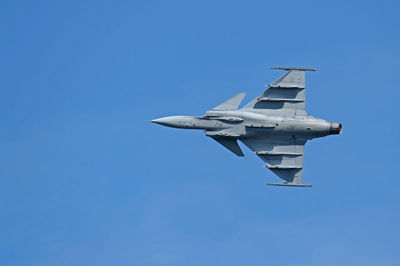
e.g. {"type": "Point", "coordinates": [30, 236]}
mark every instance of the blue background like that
{"type": "Point", "coordinates": [86, 179]}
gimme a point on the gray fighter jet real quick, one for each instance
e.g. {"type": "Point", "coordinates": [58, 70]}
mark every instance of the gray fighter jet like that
{"type": "Point", "coordinates": [274, 125]}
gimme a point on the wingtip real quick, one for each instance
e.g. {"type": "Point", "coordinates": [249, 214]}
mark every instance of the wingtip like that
{"type": "Point", "coordinates": [295, 68]}
{"type": "Point", "coordinates": [288, 184]}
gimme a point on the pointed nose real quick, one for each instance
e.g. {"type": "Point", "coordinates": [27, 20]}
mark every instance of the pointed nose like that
{"type": "Point", "coordinates": [169, 121]}
{"type": "Point", "coordinates": [165, 121]}
{"type": "Point", "coordinates": [157, 121]}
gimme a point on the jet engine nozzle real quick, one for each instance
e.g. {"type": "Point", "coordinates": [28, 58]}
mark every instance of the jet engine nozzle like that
{"type": "Point", "coordinates": [335, 128]}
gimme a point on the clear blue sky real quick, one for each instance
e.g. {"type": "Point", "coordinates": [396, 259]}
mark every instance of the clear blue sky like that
{"type": "Point", "coordinates": [86, 179]}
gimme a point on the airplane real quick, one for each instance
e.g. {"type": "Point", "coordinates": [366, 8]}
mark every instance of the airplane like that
{"type": "Point", "coordinates": [275, 125]}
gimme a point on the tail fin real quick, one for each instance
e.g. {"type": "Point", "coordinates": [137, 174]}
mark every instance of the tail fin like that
{"type": "Point", "coordinates": [231, 104]}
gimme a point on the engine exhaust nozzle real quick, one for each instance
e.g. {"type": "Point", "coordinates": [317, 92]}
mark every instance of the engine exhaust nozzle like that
{"type": "Point", "coordinates": [335, 128]}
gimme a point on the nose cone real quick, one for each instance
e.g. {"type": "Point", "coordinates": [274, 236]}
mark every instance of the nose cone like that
{"type": "Point", "coordinates": [158, 121]}
{"type": "Point", "coordinates": [170, 121]}
{"type": "Point", "coordinates": [335, 128]}
{"type": "Point", "coordinates": [165, 121]}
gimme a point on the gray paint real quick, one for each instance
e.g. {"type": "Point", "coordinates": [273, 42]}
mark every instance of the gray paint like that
{"type": "Point", "coordinates": [275, 125]}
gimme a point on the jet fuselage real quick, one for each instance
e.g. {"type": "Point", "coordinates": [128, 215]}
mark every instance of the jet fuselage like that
{"type": "Point", "coordinates": [240, 124]}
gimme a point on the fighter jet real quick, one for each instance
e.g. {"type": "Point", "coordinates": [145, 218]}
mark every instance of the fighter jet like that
{"type": "Point", "coordinates": [275, 125]}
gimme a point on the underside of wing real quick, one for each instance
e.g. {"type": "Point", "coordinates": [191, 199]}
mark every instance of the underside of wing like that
{"type": "Point", "coordinates": [284, 96]}
{"type": "Point", "coordinates": [283, 156]}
